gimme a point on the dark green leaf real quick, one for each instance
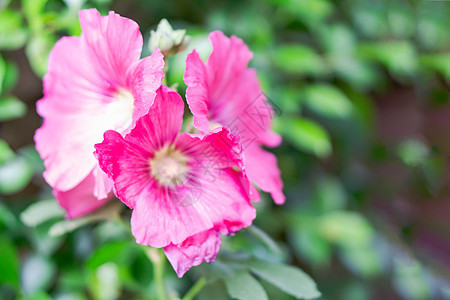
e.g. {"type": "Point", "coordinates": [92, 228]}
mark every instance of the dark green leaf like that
{"type": "Point", "coordinates": [110, 252]}
{"type": "Point", "coordinates": [412, 152]}
{"type": "Point", "coordinates": [12, 35]}
{"type": "Point", "coordinates": [398, 56]}
{"type": "Point", "coordinates": [6, 153]}
{"type": "Point", "coordinates": [9, 262]}
{"type": "Point", "coordinates": [306, 135]}
{"type": "Point", "coordinates": [2, 73]}
{"type": "Point", "coordinates": [299, 60]}
{"type": "Point", "coordinates": [290, 279]}
{"type": "Point", "coordinates": [327, 101]}
{"type": "Point", "coordinates": [438, 62]}
{"type": "Point", "coordinates": [11, 108]}
{"type": "Point", "coordinates": [346, 228]}
{"type": "Point", "coordinates": [241, 285]}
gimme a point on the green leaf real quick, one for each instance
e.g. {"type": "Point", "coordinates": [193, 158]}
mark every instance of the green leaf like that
{"type": "Point", "coordinates": [401, 19]}
{"type": "Point", "coordinates": [38, 50]}
{"type": "Point", "coordinates": [435, 172]}
{"type": "Point", "coordinates": [2, 73]}
{"type": "Point", "coordinates": [328, 101]}
{"type": "Point", "coordinates": [37, 274]}
{"type": "Point", "coordinates": [399, 57]}
{"type": "Point", "coordinates": [310, 244]}
{"type": "Point", "coordinates": [242, 286]}
{"type": "Point", "coordinates": [290, 279]}
{"type": "Point", "coordinates": [4, 4]}
{"type": "Point", "coordinates": [106, 284]}
{"type": "Point", "coordinates": [42, 242]}
{"type": "Point", "coordinates": [13, 40]}
{"type": "Point", "coordinates": [41, 211]}
{"type": "Point", "coordinates": [311, 12]}
{"type": "Point", "coordinates": [66, 226]}
{"type": "Point", "coordinates": [330, 194]}
{"type": "Point", "coordinates": [15, 175]}
{"type": "Point", "coordinates": [9, 262]}
{"type": "Point", "coordinates": [299, 60]}
{"type": "Point", "coordinates": [9, 20]}
{"type": "Point", "coordinates": [346, 228]}
{"type": "Point", "coordinates": [11, 75]}
{"type": "Point", "coordinates": [360, 74]}
{"type": "Point", "coordinates": [7, 217]}
{"type": "Point", "coordinates": [338, 38]}
{"type": "Point", "coordinates": [438, 62]}
{"type": "Point", "coordinates": [38, 296]}
{"type": "Point", "coordinates": [215, 290]}
{"type": "Point", "coordinates": [75, 4]}
{"type": "Point", "coordinates": [109, 252]}
{"type": "Point", "coordinates": [369, 18]}
{"type": "Point", "coordinates": [12, 34]}
{"type": "Point", "coordinates": [412, 152]}
{"type": "Point", "coordinates": [33, 158]}
{"type": "Point", "coordinates": [108, 211]}
{"type": "Point", "coordinates": [6, 153]}
{"type": "Point", "coordinates": [362, 259]}
{"type": "Point", "coordinates": [11, 108]}
{"type": "Point", "coordinates": [410, 279]}
{"type": "Point", "coordinates": [34, 10]}
{"type": "Point", "coordinates": [306, 135]}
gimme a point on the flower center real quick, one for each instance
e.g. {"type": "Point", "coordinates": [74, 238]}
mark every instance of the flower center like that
{"type": "Point", "coordinates": [213, 125]}
{"type": "Point", "coordinates": [169, 167]}
{"type": "Point", "coordinates": [122, 109]}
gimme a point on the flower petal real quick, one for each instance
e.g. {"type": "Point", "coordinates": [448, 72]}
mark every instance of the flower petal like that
{"type": "Point", "coordinates": [213, 196]}
{"type": "Point", "coordinates": [80, 200]}
{"type": "Point", "coordinates": [197, 91]}
{"type": "Point", "coordinates": [227, 92]}
{"type": "Point", "coordinates": [261, 167]}
{"type": "Point", "coordinates": [162, 123]}
{"type": "Point", "coordinates": [81, 101]}
{"type": "Point", "coordinates": [193, 251]}
{"type": "Point", "coordinates": [112, 44]}
{"type": "Point", "coordinates": [144, 80]}
{"type": "Point", "coordinates": [126, 161]}
{"type": "Point", "coordinates": [126, 164]}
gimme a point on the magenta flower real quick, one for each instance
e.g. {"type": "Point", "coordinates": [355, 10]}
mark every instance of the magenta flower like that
{"type": "Point", "coordinates": [184, 189]}
{"type": "Point", "coordinates": [94, 83]}
{"type": "Point", "coordinates": [225, 92]}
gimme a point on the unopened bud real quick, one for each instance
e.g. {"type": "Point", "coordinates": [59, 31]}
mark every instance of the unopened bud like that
{"type": "Point", "coordinates": [169, 41]}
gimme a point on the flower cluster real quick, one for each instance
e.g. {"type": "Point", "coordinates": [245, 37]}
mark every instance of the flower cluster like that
{"type": "Point", "coordinates": [111, 128]}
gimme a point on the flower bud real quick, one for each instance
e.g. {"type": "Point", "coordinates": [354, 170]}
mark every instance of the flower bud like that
{"type": "Point", "coordinates": [169, 41]}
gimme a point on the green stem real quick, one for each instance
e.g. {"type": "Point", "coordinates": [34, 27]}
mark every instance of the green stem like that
{"type": "Point", "coordinates": [195, 289]}
{"type": "Point", "coordinates": [157, 258]}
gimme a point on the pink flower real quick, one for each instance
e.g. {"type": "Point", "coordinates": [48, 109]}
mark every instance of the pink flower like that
{"type": "Point", "coordinates": [94, 83]}
{"type": "Point", "coordinates": [184, 189]}
{"type": "Point", "coordinates": [225, 92]}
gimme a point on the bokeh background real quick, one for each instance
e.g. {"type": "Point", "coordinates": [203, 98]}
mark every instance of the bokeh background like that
{"type": "Point", "coordinates": [361, 94]}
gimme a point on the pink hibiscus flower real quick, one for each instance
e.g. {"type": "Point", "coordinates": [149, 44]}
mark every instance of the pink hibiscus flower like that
{"type": "Point", "coordinates": [225, 92]}
{"type": "Point", "coordinates": [184, 189]}
{"type": "Point", "coordinates": [94, 83]}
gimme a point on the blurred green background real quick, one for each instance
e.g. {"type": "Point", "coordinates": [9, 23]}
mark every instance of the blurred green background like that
{"type": "Point", "coordinates": [361, 91]}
